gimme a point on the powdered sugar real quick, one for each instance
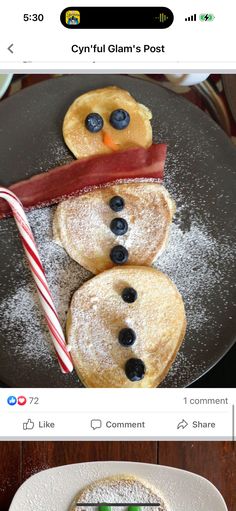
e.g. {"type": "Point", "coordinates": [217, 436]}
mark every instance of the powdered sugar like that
{"type": "Point", "coordinates": [21, 311]}
{"type": "Point", "coordinates": [188, 260]}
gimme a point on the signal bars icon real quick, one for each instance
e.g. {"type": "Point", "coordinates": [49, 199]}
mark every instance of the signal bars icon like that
{"type": "Point", "coordinates": [191, 18]}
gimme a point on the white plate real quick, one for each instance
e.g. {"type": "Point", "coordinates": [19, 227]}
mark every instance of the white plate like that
{"type": "Point", "coordinates": [55, 489]}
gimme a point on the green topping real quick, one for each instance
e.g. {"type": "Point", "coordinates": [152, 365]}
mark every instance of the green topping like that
{"type": "Point", "coordinates": [134, 508]}
{"type": "Point", "coordinates": [104, 508]}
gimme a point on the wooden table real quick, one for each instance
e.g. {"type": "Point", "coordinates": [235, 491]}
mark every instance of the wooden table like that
{"type": "Point", "coordinates": [214, 460]}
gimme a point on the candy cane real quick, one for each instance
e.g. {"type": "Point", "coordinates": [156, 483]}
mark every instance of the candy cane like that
{"type": "Point", "coordinates": [37, 271]}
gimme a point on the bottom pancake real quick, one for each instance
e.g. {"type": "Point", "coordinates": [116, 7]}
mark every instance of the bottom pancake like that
{"type": "Point", "coordinates": [120, 489]}
{"type": "Point", "coordinates": [125, 327]}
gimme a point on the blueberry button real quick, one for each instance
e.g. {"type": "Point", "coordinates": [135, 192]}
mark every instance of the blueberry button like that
{"type": "Point", "coordinates": [117, 203]}
{"type": "Point", "coordinates": [119, 226]}
{"type": "Point", "coordinates": [129, 295]}
{"type": "Point", "coordinates": [135, 369]}
{"type": "Point", "coordinates": [119, 254]}
{"type": "Point", "coordinates": [127, 337]}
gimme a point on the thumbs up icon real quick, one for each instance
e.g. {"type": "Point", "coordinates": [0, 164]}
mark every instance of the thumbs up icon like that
{"type": "Point", "coordinates": [28, 425]}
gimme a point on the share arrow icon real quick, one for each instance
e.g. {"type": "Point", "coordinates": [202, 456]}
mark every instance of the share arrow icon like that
{"type": "Point", "coordinates": [182, 424]}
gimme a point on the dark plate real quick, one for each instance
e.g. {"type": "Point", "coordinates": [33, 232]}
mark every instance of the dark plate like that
{"type": "Point", "coordinates": [200, 174]}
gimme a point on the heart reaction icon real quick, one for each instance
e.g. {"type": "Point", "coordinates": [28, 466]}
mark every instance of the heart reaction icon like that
{"type": "Point", "coordinates": [21, 400]}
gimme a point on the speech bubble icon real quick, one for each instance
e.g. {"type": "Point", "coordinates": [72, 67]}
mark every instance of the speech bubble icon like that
{"type": "Point", "coordinates": [96, 423]}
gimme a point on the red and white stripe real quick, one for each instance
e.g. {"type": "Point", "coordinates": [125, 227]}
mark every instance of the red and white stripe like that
{"type": "Point", "coordinates": [28, 242]}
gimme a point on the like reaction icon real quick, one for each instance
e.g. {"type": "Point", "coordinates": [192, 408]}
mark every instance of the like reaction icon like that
{"type": "Point", "coordinates": [12, 400]}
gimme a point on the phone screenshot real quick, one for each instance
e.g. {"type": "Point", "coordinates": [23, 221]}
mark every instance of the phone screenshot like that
{"type": "Point", "coordinates": [117, 256]}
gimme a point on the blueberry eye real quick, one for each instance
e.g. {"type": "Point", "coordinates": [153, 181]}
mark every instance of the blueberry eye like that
{"type": "Point", "coordinates": [119, 119]}
{"type": "Point", "coordinates": [94, 122]}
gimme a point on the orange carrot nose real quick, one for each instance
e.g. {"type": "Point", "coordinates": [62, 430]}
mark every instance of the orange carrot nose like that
{"type": "Point", "coordinates": [107, 140]}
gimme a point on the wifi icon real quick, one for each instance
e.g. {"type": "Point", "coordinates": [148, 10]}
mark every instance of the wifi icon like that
{"type": "Point", "coordinates": [193, 17]}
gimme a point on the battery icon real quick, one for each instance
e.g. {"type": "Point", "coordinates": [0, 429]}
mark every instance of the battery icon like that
{"type": "Point", "coordinates": [206, 17]}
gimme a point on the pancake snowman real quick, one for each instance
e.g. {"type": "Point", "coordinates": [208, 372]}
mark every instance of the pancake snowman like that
{"type": "Point", "coordinates": [125, 325]}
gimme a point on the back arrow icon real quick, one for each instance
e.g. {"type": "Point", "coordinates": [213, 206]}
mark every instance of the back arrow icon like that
{"type": "Point", "coordinates": [10, 48]}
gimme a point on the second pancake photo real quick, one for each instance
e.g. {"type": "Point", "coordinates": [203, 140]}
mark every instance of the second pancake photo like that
{"type": "Point", "coordinates": [117, 476]}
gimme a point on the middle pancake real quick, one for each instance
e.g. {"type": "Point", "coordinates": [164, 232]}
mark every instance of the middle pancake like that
{"type": "Point", "coordinates": [133, 216]}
